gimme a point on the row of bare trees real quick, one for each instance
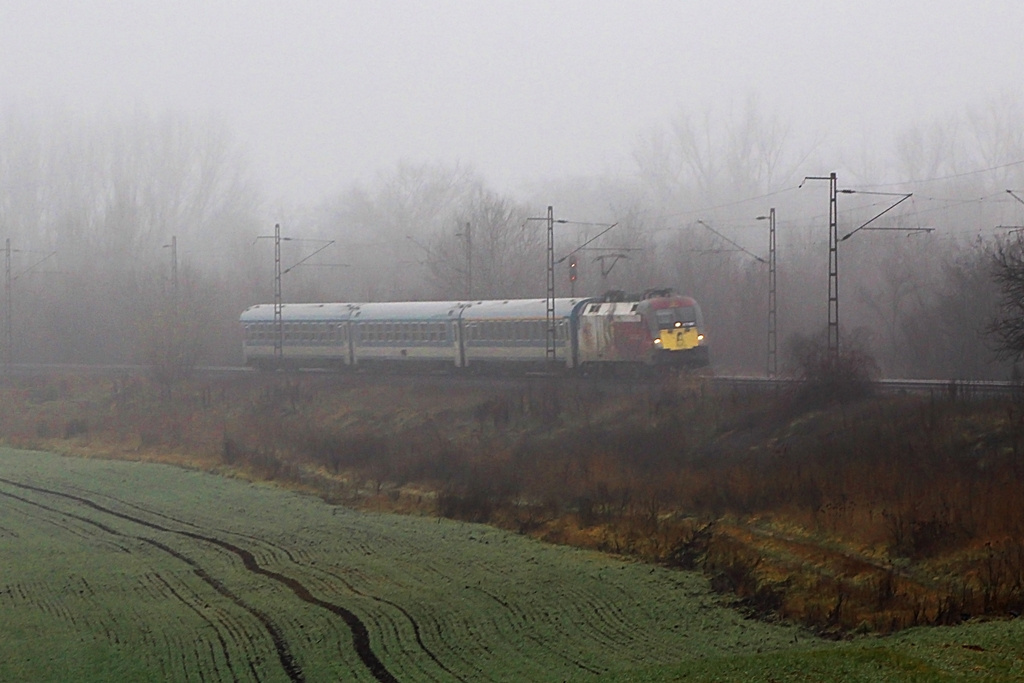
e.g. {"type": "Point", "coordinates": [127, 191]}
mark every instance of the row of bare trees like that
{"type": "Point", "coordinates": [91, 206]}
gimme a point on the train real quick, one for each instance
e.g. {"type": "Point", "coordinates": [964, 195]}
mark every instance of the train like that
{"type": "Point", "coordinates": [657, 328]}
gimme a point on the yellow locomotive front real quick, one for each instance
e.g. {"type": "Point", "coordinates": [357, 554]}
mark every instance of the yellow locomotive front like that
{"type": "Point", "coordinates": [677, 328]}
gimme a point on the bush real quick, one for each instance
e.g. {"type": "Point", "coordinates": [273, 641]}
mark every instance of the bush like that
{"type": "Point", "coordinates": [828, 375]}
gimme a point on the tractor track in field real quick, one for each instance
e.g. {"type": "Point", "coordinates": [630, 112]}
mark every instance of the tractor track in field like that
{"type": "Point", "coordinates": [359, 632]}
{"type": "Point", "coordinates": [414, 624]}
{"type": "Point", "coordinates": [287, 660]}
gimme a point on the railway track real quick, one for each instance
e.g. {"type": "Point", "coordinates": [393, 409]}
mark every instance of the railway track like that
{"type": "Point", "coordinates": [951, 388]}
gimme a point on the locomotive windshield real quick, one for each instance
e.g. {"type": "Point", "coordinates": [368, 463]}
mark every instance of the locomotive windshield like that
{"type": "Point", "coordinates": [684, 316]}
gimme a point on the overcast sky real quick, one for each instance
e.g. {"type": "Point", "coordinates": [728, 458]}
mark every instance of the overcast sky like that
{"type": "Point", "coordinates": [325, 93]}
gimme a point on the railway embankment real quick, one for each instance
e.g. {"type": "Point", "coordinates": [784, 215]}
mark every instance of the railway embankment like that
{"type": "Point", "coordinates": [871, 514]}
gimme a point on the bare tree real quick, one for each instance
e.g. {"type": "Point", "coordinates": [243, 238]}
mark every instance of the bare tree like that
{"type": "Point", "coordinates": [491, 251]}
{"type": "Point", "coordinates": [1007, 258]}
{"type": "Point", "coordinates": [171, 331]}
{"type": "Point", "coordinates": [383, 230]}
{"type": "Point", "coordinates": [704, 159]}
{"type": "Point", "coordinates": [105, 194]}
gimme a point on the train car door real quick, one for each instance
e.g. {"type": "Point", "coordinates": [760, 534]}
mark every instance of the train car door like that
{"type": "Point", "coordinates": [458, 341]}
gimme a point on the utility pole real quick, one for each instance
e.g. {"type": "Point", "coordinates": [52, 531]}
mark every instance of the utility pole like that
{"type": "Point", "coordinates": [550, 315]}
{"type": "Point", "coordinates": [467, 236]}
{"type": "Point", "coordinates": [173, 246]}
{"type": "Point", "coordinates": [9, 278]}
{"type": "Point", "coordinates": [278, 318]}
{"type": "Point", "coordinates": [278, 272]}
{"type": "Point", "coordinates": [772, 366]}
{"type": "Point", "coordinates": [550, 319]}
{"type": "Point", "coordinates": [833, 270]}
{"type": "Point", "coordinates": [174, 266]}
{"type": "Point", "coordinates": [8, 300]}
{"type": "Point", "coordinates": [833, 250]}
{"type": "Point", "coordinates": [469, 261]}
{"type": "Point", "coordinates": [833, 266]}
{"type": "Point", "coordinates": [773, 344]}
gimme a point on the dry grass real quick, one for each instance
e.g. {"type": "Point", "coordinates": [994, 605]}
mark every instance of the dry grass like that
{"type": "Point", "coordinates": [873, 515]}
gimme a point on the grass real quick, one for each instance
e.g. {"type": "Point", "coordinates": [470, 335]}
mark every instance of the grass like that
{"type": "Point", "coordinates": [91, 593]}
{"type": "Point", "coordinates": [111, 565]}
{"type": "Point", "coordinates": [870, 516]}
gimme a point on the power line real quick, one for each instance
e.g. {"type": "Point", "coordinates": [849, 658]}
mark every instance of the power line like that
{"type": "Point", "coordinates": [952, 176]}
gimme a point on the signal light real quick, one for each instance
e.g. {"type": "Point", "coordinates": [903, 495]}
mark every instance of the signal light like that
{"type": "Point", "coordinates": [572, 271]}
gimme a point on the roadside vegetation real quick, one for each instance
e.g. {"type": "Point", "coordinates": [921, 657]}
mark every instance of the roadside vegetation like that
{"type": "Point", "coordinates": [870, 515]}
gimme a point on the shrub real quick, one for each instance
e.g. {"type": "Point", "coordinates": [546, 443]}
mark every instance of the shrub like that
{"type": "Point", "coordinates": [830, 375]}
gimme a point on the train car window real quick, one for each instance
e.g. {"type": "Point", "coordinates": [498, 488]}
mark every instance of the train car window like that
{"type": "Point", "coordinates": [632, 309]}
{"type": "Point", "coordinates": [594, 308]}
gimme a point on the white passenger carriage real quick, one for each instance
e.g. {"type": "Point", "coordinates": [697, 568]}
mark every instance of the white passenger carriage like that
{"type": "Point", "coordinates": [516, 331]}
{"type": "Point", "coordinates": [416, 332]}
{"type": "Point", "coordinates": [311, 334]}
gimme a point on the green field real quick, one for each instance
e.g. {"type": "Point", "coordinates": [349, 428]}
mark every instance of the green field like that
{"type": "Point", "coordinates": [116, 571]}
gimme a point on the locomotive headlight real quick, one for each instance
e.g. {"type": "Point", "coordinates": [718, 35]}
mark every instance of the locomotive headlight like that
{"type": "Point", "coordinates": [678, 324]}
{"type": "Point", "coordinates": [657, 342]}
{"type": "Point", "coordinates": [700, 337]}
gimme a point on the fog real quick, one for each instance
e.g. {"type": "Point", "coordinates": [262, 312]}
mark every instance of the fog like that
{"type": "Point", "coordinates": [385, 128]}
